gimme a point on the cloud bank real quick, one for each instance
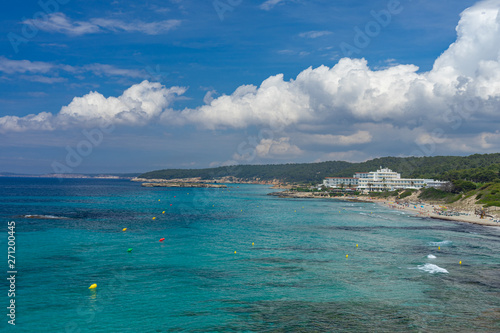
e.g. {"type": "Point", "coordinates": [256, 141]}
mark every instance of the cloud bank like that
{"type": "Point", "coordinates": [344, 105]}
{"type": "Point", "coordinates": [138, 105]}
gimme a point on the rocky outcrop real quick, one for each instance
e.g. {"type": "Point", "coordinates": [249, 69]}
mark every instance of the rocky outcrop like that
{"type": "Point", "coordinates": [183, 185]}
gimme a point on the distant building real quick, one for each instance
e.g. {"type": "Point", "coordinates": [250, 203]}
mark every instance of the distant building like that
{"type": "Point", "coordinates": [341, 182]}
{"type": "Point", "coordinates": [383, 179]}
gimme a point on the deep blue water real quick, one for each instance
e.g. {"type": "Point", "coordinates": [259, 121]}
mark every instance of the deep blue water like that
{"type": "Point", "coordinates": [294, 278]}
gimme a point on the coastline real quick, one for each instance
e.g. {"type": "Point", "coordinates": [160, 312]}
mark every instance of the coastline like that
{"type": "Point", "coordinates": [421, 209]}
{"type": "Point", "coordinates": [276, 184]}
{"type": "Point", "coordinates": [436, 212]}
{"type": "Point", "coordinates": [184, 185]}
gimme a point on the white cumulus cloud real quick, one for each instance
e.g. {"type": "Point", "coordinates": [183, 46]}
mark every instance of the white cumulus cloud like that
{"type": "Point", "coordinates": [138, 105]}
{"type": "Point", "coordinates": [269, 148]}
{"type": "Point", "coordinates": [464, 82]}
{"type": "Point", "coordinates": [351, 90]}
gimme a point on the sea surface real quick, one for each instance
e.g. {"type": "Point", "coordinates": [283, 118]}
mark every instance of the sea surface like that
{"type": "Point", "coordinates": [237, 260]}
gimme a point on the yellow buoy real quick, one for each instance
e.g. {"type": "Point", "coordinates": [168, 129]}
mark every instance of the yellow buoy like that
{"type": "Point", "coordinates": [93, 286]}
{"type": "Point", "coordinates": [124, 229]}
{"type": "Point", "coordinates": [346, 256]}
{"type": "Point", "coordinates": [252, 244]}
{"type": "Point", "coordinates": [460, 262]}
{"type": "Point", "coordinates": [356, 245]}
{"type": "Point", "coordinates": [439, 247]}
{"type": "Point", "coordinates": [163, 212]}
{"type": "Point", "coordinates": [234, 252]}
{"type": "Point", "coordinates": [154, 218]}
{"type": "Point", "coordinates": [295, 211]}
{"type": "Point", "coordinates": [158, 199]}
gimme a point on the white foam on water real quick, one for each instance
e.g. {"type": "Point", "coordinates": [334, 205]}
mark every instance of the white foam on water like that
{"type": "Point", "coordinates": [374, 216]}
{"type": "Point", "coordinates": [43, 217]}
{"type": "Point", "coordinates": [445, 242]}
{"type": "Point", "coordinates": [431, 268]}
{"type": "Point", "coordinates": [431, 256]}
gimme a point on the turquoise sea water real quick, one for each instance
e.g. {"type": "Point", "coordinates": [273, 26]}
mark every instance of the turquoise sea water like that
{"type": "Point", "coordinates": [294, 278]}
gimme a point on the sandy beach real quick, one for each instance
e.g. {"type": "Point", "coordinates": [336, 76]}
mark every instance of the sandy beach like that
{"type": "Point", "coordinates": [439, 212]}
{"type": "Point", "coordinates": [434, 211]}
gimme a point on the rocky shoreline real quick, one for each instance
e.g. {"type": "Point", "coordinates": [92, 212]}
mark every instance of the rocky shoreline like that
{"type": "Point", "coordinates": [294, 194]}
{"type": "Point", "coordinates": [221, 180]}
{"type": "Point", "coordinates": [201, 185]}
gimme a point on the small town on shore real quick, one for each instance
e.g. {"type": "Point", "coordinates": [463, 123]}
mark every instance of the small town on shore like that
{"type": "Point", "coordinates": [386, 187]}
{"type": "Point", "coordinates": [427, 198]}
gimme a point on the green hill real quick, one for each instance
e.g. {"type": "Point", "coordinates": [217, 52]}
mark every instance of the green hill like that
{"type": "Point", "coordinates": [295, 173]}
{"type": "Point", "coordinates": [477, 168]}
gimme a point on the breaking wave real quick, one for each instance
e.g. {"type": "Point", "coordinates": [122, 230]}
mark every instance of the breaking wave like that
{"type": "Point", "coordinates": [43, 217]}
{"type": "Point", "coordinates": [445, 242]}
{"type": "Point", "coordinates": [431, 268]}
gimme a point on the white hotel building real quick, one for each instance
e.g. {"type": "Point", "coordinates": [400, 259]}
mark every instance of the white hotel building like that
{"type": "Point", "coordinates": [381, 180]}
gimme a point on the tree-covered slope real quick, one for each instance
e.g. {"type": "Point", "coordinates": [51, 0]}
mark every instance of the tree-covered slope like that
{"type": "Point", "coordinates": [476, 168]}
{"type": "Point", "coordinates": [427, 167]}
{"type": "Point", "coordinates": [301, 172]}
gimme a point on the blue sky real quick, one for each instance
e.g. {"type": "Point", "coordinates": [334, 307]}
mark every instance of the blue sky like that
{"type": "Point", "coordinates": [213, 94]}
